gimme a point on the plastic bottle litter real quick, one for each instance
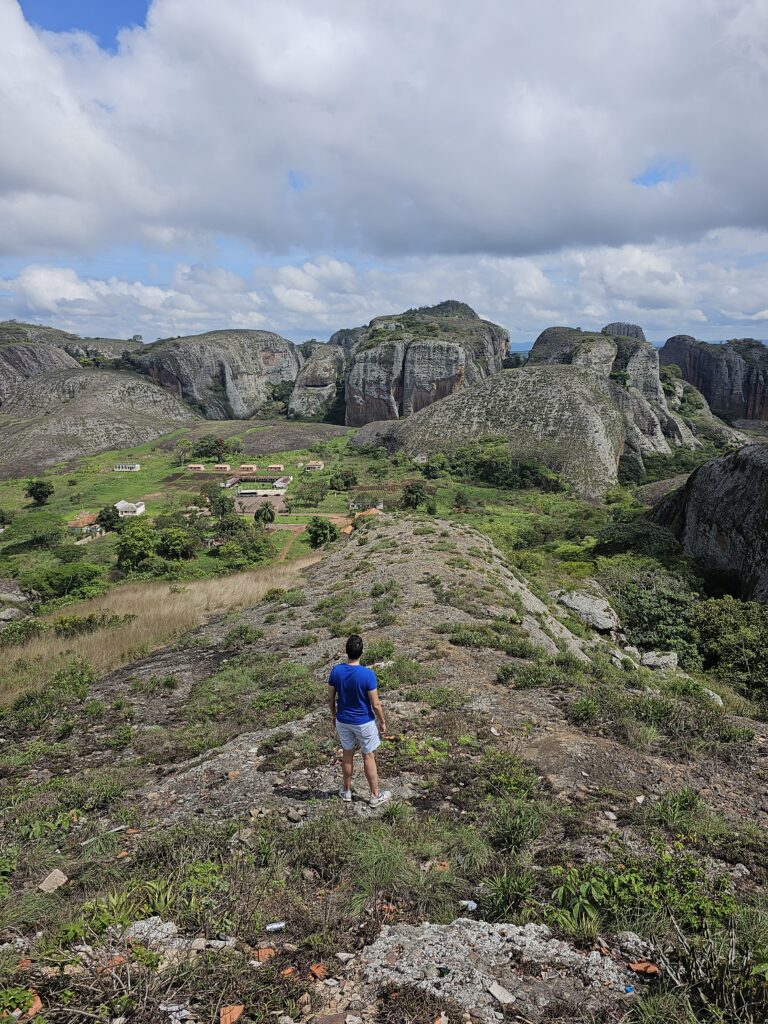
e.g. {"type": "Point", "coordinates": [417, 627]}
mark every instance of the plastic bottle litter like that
{"type": "Point", "coordinates": [468, 905]}
{"type": "Point", "coordinates": [629, 989]}
{"type": "Point", "coordinates": [276, 926]}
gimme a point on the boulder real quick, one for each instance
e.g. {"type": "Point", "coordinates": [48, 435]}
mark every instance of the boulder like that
{"type": "Point", "coordinates": [660, 661]}
{"type": "Point", "coordinates": [11, 615]}
{"type": "Point", "coordinates": [719, 516]}
{"type": "Point", "coordinates": [593, 611]}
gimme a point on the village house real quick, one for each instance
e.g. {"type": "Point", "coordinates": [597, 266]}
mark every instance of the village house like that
{"type": "Point", "coordinates": [222, 467]}
{"type": "Point", "coordinates": [276, 467]}
{"type": "Point", "coordinates": [283, 482]}
{"type": "Point", "coordinates": [130, 508]}
{"type": "Point", "coordinates": [248, 467]}
{"type": "Point", "coordinates": [230, 481]}
{"type": "Point", "coordinates": [357, 506]}
{"type": "Point", "coordinates": [126, 467]}
{"type": "Point", "coordinates": [315, 466]}
{"type": "Point", "coordinates": [85, 525]}
{"type": "Point", "coordinates": [196, 467]}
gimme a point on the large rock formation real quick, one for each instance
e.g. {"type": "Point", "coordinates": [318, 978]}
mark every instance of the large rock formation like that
{"type": "Point", "coordinates": [400, 364]}
{"type": "Point", "coordinates": [226, 374]}
{"type": "Point", "coordinates": [631, 366]}
{"type": "Point", "coordinates": [16, 332]}
{"type": "Point", "coordinates": [19, 362]}
{"type": "Point", "coordinates": [565, 417]}
{"type": "Point", "coordinates": [60, 415]}
{"type": "Point", "coordinates": [317, 386]}
{"type": "Point", "coordinates": [732, 377]}
{"type": "Point", "coordinates": [721, 516]}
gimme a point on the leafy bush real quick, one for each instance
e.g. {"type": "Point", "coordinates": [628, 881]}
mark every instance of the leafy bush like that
{"type": "Point", "coordinates": [379, 650]}
{"type": "Point", "coordinates": [77, 579]}
{"type": "Point", "coordinates": [640, 537]}
{"type": "Point", "coordinates": [733, 640]}
{"type": "Point", "coordinates": [321, 531]}
{"type": "Point", "coordinates": [656, 606]}
{"type": "Point", "coordinates": [498, 635]}
{"type": "Point", "coordinates": [20, 632]}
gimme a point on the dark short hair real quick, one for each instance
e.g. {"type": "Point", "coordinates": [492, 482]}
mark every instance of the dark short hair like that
{"type": "Point", "coordinates": [354, 647]}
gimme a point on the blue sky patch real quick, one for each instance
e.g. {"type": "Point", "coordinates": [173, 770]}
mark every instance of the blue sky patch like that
{"type": "Point", "coordinates": [101, 18]}
{"type": "Point", "coordinates": [662, 171]}
{"type": "Point", "coordinates": [297, 181]}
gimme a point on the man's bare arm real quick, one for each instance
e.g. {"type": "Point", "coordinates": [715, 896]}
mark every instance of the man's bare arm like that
{"type": "Point", "coordinates": [378, 710]}
{"type": "Point", "coordinates": [332, 703]}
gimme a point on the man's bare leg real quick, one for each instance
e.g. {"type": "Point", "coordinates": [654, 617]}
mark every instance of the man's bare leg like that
{"type": "Point", "coordinates": [347, 765]}
{"type": "Point", "coordinates": [371, 773]}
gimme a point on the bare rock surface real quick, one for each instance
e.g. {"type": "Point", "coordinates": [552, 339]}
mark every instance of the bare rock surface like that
{"type": "Point", "coordinates": [488, 967]}
{"type": "Point", "coordinates": [400, 364]}
{"type": "Point", "coordinates": [593, 611]}
{"type": "Point", "coordinates": [20, 362]}
{"type": "Point", "coordinates": [733, 377]}
{"type": "Point", "coordinates": [61, 415]}
{"type": "Point", "coordinates": [720, 516]}
{"type": "Point", "coordinates": [562, 416]}
{"type": "Point", "coordinates": [226, 374]}
{"type": "Point", "coordinates": [317, 382]}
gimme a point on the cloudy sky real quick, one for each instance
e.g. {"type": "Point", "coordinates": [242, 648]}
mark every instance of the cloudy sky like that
{"type": "Point", "coordinates": [296, 165]}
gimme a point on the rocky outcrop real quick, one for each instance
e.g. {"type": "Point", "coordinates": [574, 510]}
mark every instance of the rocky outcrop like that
{"type": "Point", "coordinates": [62, 415]}
{"type": "Point", "coordinates": [318, 382]}
{"type": "Point", "coordinates": [15, 331]}
{"type": "Point", "coordinates": [621, 354]}
{"type": "Point", "coordinates": [401, 364]}
{"type": "Point", "coordinates": [562, 416]}
{"type": "Point", "coordinates": [721, 517]}
{"type": "Point", "coordinates": [593, 611]}
{"type": "Point", "coordinates": [225, 374]}
{"type": "Point", "coordinates": [732, 377]}
{"type": "Point", "coordinates": [19, 362]}
{"type": "Point", "coordinates": [624, 330]}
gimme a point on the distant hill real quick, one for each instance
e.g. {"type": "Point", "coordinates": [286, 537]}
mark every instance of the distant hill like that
{"type": "Point", "coordinates": [60, 415]}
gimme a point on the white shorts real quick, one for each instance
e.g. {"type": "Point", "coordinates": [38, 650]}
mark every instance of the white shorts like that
{"type": "Point", "coordinates": [364, 736]}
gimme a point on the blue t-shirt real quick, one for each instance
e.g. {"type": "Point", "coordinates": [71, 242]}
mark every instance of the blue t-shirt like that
{"type": "Point", "coordinates": [352, 683]}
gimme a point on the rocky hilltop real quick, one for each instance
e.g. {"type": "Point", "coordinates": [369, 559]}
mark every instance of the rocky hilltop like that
{"type": "Point", "coordinates": [63, 414]}
{"type": "Point", "coordinates": [400, 364]}
{"type": "Point", "coordinates": [732, 377]}
{"type": "Point", "coordinates": [225, 374]}
{"type": "Point", "coordinates": [720, 516]}
{"type": "Point", "coordinates": [562, 416]}
{"type": "Point", "coordinates": [19, 362]}
{"type": "Point", "coordinates": [14, 332]}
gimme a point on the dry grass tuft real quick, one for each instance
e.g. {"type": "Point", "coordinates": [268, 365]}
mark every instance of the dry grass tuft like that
{"type": "Point", "coordinates": [163, 611]}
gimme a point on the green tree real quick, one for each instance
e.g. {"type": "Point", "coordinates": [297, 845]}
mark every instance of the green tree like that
{"type": "Point", "coordinates": [311, 493]}
{"type": "Point", "coordinates": [39, 491]}
{"type": "Point", "coordinates": [182, 453]}
{"type": "Point", "coordinates": [175, 544]}
{"type": "Point", "coordinates": [137, 542]}
{"type": "Point", "coordinates": [218, 499]}
{"type": "Point", "coordinates": [321, 531]}
{"type": "Point", "coordinates": [76, 579]}
{"type": "Point", "coordinates": [109, 518]}
{"type": "Point", "coordinates": [733, 639]}
{"type": "Point", "coordinates": [414, 494]}
{"type": "Point", "coordinates": [210, 447]}
{"type": "Point", "coordinates": [343, 480]}
{"type": "Point", "coordinates": [265, 513]}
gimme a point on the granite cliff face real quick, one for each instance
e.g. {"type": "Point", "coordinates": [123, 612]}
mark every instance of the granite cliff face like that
{"type": "Point", "coordinates": [720, 516]}
{"type": "Point", "coordinates": [562, 416]}
{"type": "Point", "coordinates": [317, 384]}
{"type": "Point", "coordinates": [401, 364]}
{"type": "Point", "coordinates": [732, 377]}
{"type": "Point", "coordinates": [630, 365]}
{"type": "Point", "coordinates": [19, 362]}
{"type": "Point", "coordinates": [226, 374]}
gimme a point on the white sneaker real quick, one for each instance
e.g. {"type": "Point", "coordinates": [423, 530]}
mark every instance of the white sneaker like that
{"type": "Point", "coordinates": [345, 794]}
{"type": "Point", "coordinates": [377, 801]}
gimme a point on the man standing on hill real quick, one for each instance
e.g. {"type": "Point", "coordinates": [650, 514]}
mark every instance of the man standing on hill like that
{"type": "Point", "coordinates": [358, 719]}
